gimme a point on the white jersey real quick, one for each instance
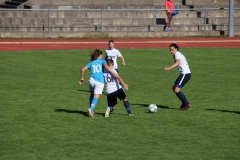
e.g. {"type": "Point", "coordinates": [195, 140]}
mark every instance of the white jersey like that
{"type": "Point", "coordinates": [111, 82]}
{"type": "Point", "coordinates": [183, 67]}
{"type": "Point", "coordinates": [113, 54]}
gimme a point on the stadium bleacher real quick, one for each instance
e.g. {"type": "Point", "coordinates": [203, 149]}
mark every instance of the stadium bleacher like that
{"type": "Point", "coordinates": [78, 18]}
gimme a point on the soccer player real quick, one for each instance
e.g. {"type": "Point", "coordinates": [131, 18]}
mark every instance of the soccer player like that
{"type": "Point", "coordinates": [185, 75]}
{"type": "Point", "coordinates": [96, 81]}
{"type": "Point", "coordinates": [112, 53]}
{"type": "Point", "coordinates": [114, 90]}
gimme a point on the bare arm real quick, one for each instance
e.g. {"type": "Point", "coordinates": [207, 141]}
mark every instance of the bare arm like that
{"type": "Point", "coordinates": [117, 76]}
{"type": "Point", "coordinates": [173, 66]}
{"type": "Point", "coordinates": [122, 82]}
{"type": "Point", "coordinates": [123, 60]}
{"type": "Point", "coordinates": [110, 70]}
{"type": "Point", "coordinates": [82, 74]}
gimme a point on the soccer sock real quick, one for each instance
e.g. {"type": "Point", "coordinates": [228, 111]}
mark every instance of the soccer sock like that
{"type": "Point", "coordinates": [90, 99]}
{"type": "Point", "coordinates": [94, 103]}
{"type": "Point", "coordinates": [111, 108]}
{"type": "Point", "coordinates": [182, 97]}
{"type": "Point", "coordinates": [127, 107]}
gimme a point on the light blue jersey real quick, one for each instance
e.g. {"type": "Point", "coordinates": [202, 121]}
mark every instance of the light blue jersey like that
{"type": "Point", "coordinates": [96, 68]}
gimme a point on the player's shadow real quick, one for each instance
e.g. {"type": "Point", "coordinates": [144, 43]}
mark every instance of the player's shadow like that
{"type": "Point", "coordinates": [72, 111]}
{"type": "Point", "coordinates": [220, 110]}
{"type": "Point", "coordinates": [146, 105]}
{"type": "Point", "coordinates": [82, 90]}
{"type": "Point", "coordinates": [76, 112]}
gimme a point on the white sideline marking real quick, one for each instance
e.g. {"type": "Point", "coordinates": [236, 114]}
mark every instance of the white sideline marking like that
{"type": "Point", "coordinates": [126, 42]}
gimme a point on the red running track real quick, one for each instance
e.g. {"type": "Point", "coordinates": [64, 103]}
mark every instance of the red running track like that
{"type": "Point", "coordinates": [75, 44]}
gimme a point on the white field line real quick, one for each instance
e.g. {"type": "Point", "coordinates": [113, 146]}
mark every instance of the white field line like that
{"type": "Point", "coordinates": [128, 42]}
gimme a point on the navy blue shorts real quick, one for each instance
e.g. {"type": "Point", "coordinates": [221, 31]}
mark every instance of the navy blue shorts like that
{"type": "Point", "coordinates": [112, 97]}
{"type": "Point", "coordinates": [182, 80]}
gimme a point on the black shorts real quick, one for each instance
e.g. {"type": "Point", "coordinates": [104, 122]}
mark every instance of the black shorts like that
{"type": "Point", "coordinates": [112, 97]}
{"type": "Point", "coordinates": [182, 80]}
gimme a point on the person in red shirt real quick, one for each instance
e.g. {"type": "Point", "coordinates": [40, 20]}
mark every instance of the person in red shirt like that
{"type": "Point", "coordinates": [169, 4]}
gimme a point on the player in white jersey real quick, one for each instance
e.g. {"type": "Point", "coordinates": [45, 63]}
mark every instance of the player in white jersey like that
{"type": "Point", "coordinates": [96, 81]}
{"type": "Point", "coordinates": [185, 75]}
{"type": "Point", "coordinates": [114, 90]}
{"type": "Point", "coordinates": [112, 53]}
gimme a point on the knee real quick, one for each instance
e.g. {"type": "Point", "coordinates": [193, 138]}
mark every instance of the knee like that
{"type": "Point", "coordinates": [176, 89]}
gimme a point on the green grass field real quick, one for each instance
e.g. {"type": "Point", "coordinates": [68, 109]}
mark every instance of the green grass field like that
{"type": "Point", "coordinates": [44, 109]}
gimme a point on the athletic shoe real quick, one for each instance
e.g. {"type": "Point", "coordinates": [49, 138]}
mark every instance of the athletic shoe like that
{"type": "Point", "coordinates": [91, 113]}
{"type": "Point", "coordinates": [130, 114]}
{"type": "Point", "coordinates": [186, 107]}
{"type": "Point", "coordinates": [107, 112]}
{"type": "Point", "coordinates": [180, 108]}
{"type": "Point", "coordinates": [168, 29]}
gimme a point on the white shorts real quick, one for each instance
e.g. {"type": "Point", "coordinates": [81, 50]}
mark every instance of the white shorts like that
{"type": "Point", "coordinates": [95, 86]}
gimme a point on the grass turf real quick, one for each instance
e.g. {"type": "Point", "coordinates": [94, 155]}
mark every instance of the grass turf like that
{"type": "Point", "coordinates": [44, 109]}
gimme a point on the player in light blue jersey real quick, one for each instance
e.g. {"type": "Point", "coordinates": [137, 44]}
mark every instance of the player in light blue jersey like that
{"type": "Point", "coordinates": [96, 81]}
{"type": "Point", "coordinates": [185, 75]}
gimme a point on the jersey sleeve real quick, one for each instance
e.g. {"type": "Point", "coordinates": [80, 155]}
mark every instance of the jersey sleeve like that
{"type": "Point", "coordinates": [104, 61]}
{"type": "Point", "coordinates": [177, 56]}
{"type": "Point", "coordinates": [88, 65]}
{"type": "Point", "coordinates": [118, 53]}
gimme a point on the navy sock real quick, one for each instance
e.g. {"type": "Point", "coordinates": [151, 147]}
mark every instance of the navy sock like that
{"type": "Point", "coordinates": [182, 97]}
{"type": "Point", "coordinates": [111, 108]}
{"type": "Point", "coordinates": [127, 106]}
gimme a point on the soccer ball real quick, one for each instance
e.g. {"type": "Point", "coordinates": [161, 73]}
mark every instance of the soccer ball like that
{"type": "Point", "coordinates": [152, 108]}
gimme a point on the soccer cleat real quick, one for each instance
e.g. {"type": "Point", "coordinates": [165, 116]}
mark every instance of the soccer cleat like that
{"type": "Point", "coordinates": [189, 105]}
{"type": "Point", "coordinates": [130, 114]}
{"type": "Point", "coordinates": [91, 113]}
{"type": "Point", "coordinates": [186, 107]}
{"type": "Point", "coordinates": [180, 108]}
{"type": "Point", "coordinates": [107, 112]}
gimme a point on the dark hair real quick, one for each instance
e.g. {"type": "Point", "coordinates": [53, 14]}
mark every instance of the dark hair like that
{"type": "Point", "coordinates": [95, 54]}
{"type": "Point", "coordinates": [110, 41]}
{"type": "Point", "coordinates": [174, 45]}
{"type": "Point", "coordinates": [109, 61]}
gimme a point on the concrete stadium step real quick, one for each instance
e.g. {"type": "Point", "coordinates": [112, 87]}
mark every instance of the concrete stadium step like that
{"type": "Point", "coordinates": [8, 6]}
{"type": "Point", "coordinates": [20, 1]}
{"type": "Point", "coordinates": [12, 3]}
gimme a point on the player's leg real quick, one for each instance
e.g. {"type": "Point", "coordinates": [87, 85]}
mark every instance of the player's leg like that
{"type": "Point", "coordinates": [98, 88]}
{"type": "Point", "coordinates": [122, 96]}
{"type": "Point", "coordinates": [169, 18]}
{"type": "Point", "coordinates": [179, 83]}
{"type": "Point", "coordinates": [112, 101]}
{"type": "Point", "coordinates": [91, 88]}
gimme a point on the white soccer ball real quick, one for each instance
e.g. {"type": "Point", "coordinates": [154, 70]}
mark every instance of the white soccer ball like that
{"type": "Point", "coordinates": [152, 108]}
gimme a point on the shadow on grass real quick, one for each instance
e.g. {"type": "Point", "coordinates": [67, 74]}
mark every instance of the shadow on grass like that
{"type": "Point", "coordinates": [72, 111]}
{"type": "Point", "coordinates": [237, 112]}
{"type": "Point", "coordinates": [146, 105]}
{"type": "Point", "coordinates": [82, 90]}
{"type": "Point", "coordinates": [76, 112]}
